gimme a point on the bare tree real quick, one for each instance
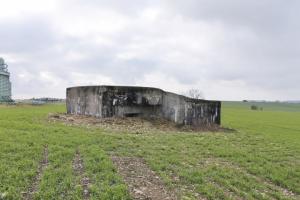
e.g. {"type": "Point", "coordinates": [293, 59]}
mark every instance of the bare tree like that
{"type": "Point", "coordinates": [194, 93]}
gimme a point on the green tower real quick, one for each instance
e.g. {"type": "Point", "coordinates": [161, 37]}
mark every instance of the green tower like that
{"type": "Point", "coordinates": [5, 84]}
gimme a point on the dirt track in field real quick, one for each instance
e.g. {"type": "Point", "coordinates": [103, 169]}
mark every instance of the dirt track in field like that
{"type": "Point", "coordinates": [37, 179]}
{"type": "Point", "coordinates": [78, 169]}
{"type": "Point", "coordinates": [142, 182]}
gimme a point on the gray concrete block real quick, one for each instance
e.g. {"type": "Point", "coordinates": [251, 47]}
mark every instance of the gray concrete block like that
{"type": "Point", "coordinates": [126, 101]}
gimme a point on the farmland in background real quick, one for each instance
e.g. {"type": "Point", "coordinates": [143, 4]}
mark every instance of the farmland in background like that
{"type": "Point", "coordinates": [259, 160]}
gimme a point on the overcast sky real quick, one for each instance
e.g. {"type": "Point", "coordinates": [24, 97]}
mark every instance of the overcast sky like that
{"type": "Point", "coordinates": [230, 50]}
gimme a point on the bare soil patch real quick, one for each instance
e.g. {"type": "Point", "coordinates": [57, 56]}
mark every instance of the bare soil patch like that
{"type": "Point", "coordinates": [79, 171]}
{"type": "Point", "coordinates": [135, 125]}
{"type": "Point", "coordinates": [34, 186]}
{"type": "Point", "coordinates": [142, 182]}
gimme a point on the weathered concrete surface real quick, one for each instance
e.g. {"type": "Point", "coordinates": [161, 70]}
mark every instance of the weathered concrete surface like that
{"type": "Point", "coordinates": [123, 101]}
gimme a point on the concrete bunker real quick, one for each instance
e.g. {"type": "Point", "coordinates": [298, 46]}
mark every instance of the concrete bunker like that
{"type": "Point", "coordinates": [147, 102]}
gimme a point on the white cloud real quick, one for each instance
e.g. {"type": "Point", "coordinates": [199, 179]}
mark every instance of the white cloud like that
{"type": "Point", "coordinates": [90, 79]}
{"type": "Point", "coordinates": [229, 50]}
{"type": "Point", "coordinates": [19, 8]}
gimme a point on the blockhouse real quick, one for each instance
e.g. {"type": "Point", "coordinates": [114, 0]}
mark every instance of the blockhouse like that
{"type": "Point", "coordinates": [126, 101]}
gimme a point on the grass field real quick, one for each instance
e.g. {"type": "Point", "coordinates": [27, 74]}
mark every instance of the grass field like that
{"type": "Point", "coordinates": [261, 160]}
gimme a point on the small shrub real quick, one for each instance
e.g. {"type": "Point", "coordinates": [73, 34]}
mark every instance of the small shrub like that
{"type": "Point", "coordinates": [254, 107]}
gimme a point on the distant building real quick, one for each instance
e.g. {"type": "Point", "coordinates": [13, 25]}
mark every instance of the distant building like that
{"type": "Point", "coordinates": [44, 100]}
{"type": "Point", "coordinates": [5, 84]}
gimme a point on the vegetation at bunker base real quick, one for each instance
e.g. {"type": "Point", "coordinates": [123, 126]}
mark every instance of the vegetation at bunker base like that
{"type": "Point", "coordinates": [259, 161]}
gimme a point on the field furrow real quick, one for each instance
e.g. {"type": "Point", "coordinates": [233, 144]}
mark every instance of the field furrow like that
{"type": "Point", "coordinates": [84, 181]}
{"type": "Point", "coordinates": [33, 188]}
{"type": "Point", "coordinates": [143, 183]}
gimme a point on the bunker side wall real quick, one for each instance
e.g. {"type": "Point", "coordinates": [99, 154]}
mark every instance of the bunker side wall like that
{"type": "Point", "coordinates": [183, 110]}
{"type": "Point", "coordinates": [85, 101]}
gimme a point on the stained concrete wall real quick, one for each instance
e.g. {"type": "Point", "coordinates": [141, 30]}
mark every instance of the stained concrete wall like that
{"type": "Point", "coordinates": [123, 101]}
{"type": "Point", "coordinates": [184, 110]}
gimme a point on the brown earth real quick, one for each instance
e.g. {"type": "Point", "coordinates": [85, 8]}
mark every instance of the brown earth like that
{"type": "Point", "coordinates": [34, 186]}
{"type": "Point", "coordinates": [135, 125]}
{"type": "Point", "coordinates": [78, 169]}
{"type": "Point", "coordinates": [142, 182]}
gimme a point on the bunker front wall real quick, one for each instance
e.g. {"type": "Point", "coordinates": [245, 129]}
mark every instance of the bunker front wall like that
{"type": "Point", "coordinates": [110, 101]}
{"type": "Point", "coordinates": [131, 102]}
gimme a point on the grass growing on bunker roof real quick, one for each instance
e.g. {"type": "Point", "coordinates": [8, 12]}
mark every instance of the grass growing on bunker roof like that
{"type": "Point", "coordinates": [259, 161]}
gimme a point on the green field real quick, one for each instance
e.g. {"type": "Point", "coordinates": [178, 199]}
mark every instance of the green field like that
{"type": "Point", "coordinates": [260, 160]}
